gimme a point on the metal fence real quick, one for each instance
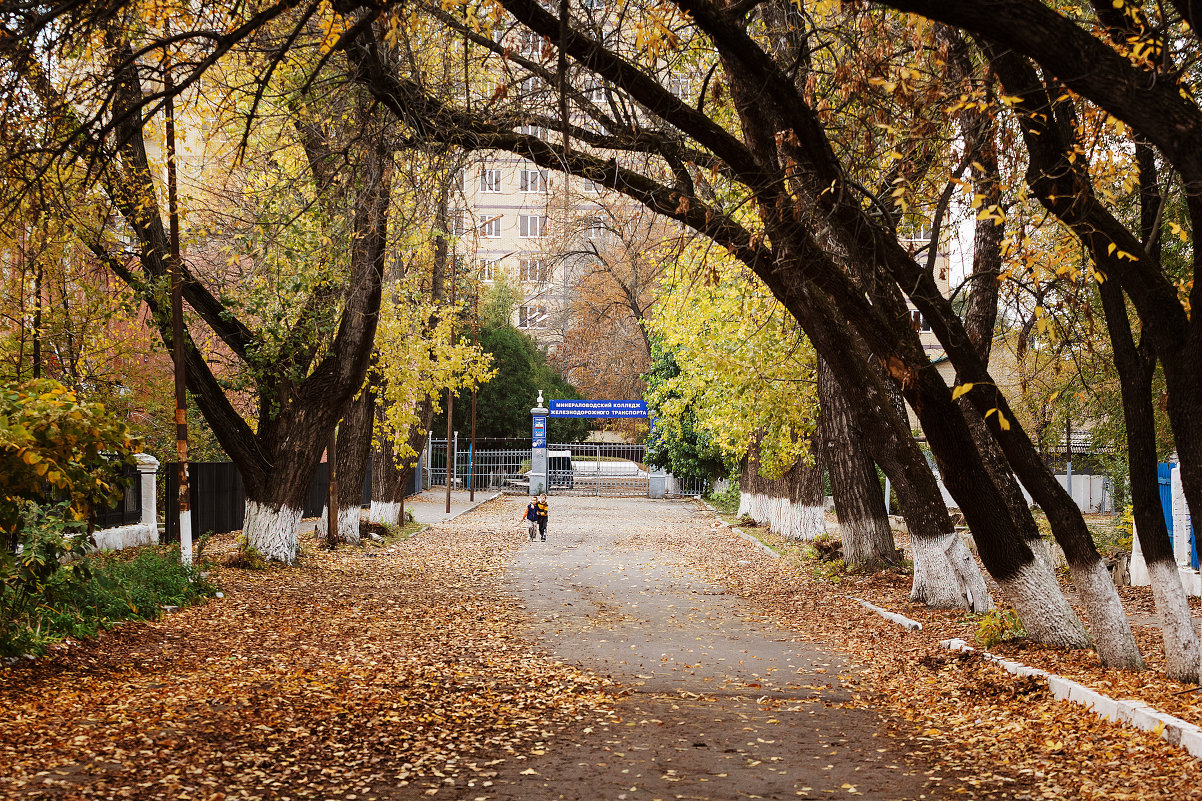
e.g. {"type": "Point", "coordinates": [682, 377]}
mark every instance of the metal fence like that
{"type": "Point", "coordinates": [486, 468]}
{"type": "Point", "coordinates": [128, 510]}
{"type": "Point", "coordinates": [576, 468]}
{"type": "Point", "coordinates": [687, 487]}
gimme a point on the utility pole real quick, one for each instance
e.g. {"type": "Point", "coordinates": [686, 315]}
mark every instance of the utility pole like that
{"type": "Point", "coordinates": [332, 499]}
{"type": "Point", "coordinates": [177, 328]}
{"type": "Point", "coordinates": [471, 468]}
{"type": "Point", "coordinates": [450, 393]}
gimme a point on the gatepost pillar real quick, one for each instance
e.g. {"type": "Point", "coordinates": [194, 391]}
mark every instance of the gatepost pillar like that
{"type": "Point", "coordinates": [538, 447]}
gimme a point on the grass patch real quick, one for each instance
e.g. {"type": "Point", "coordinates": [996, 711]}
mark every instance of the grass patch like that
{"type": "Point", "coordinates": [95, 592]}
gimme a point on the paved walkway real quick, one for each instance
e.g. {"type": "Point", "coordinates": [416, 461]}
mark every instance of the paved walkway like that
{"type": "Point", "coordinates": [431, 505]}
{"type": "Point", "coordinates": [721, 705]}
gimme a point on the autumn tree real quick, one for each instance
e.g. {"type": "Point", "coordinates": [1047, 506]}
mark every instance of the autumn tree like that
{"type": "Point", "coordinates": [805, 200]}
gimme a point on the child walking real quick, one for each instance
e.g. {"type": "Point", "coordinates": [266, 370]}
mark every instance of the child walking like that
{"type": "Point", "coordinates": [543, 510]}
{"type": "Point", "coordinates": [530, 517]}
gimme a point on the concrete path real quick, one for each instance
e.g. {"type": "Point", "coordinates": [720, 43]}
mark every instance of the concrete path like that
{"type": "Point", "coordinates": [721, 705]}
{"type": "Point", "coordinates": [431, 505]}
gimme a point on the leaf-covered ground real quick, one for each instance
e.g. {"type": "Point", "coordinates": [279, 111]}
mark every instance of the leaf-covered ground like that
{"type": "Point", "coordinates": [979, 719]}
{"type": "Point", "coordinates": [403, 672]}
{"type": "Point", "coordinates": [354, 675]}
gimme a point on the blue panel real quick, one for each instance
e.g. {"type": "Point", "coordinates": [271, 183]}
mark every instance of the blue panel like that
{"type": "Point", "coordinates": [1163, 472]}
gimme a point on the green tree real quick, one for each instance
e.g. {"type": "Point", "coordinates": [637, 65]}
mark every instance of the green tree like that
{"type": "Point", "coordinates": [677, 444]}
{"type": "Point", "coordinates": [503, 404]}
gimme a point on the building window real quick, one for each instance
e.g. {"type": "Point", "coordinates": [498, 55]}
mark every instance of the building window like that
{"type": "Point", "coordinates": [490, 225]}
{"type": "Point", "coordinates": [460, 179]}
{"type": "Point", "coordinates": [592, 187]}
{"type": "Point", "coordinates": [536, 271]}
{"type": "Point", "coordinates": [593, 5]}
{"type": "Point", "coordinates": [680, 86]}
{"type": "Point", "coordinates": [458, 226]}
{"type": "Point", "coordinates": [532, 86]}
{"type": "Point", "coordinates": [530, 43]}
{"type": "Point", "coordinates": [490, 180]}
{"type": "Point", "coordinates": [918, 322]}
{"type": "Point", "coordinates": [533, 181]}
{"type": "Point", "coordinates": [595, 93]}
{"type": "Point", "coordinates": [532, 317]}
{"type": "Point", "coordinates": [537, 131]}
{"type": "Point", "coordinates": [593, 227]}
{"type": "Point", "coordinates": [488, 269]}
{"type": "Point", "coordinates": [531, 225]}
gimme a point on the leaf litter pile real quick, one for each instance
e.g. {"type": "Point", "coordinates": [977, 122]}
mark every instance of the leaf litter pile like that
{"type": "Point", "coordinates": [362, 673]}
{"type": "Point", "coordinates": [994, 734]}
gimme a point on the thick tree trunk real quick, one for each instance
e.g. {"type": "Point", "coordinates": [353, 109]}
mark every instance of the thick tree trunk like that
{"type": "Point", "coordinates": [1183, 659]}
{"type": "Point", "coordinates": [275, 507]}
{"type": "Point", "coordinates": [859, 502]}
{"type": "Point", "coordinates": [354, 454]}
{"type": "Point", "coordinates": [790, 505]}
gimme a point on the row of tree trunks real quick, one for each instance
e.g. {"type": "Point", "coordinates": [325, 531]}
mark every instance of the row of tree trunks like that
{"type": "Point", "coordinates": [791, 505]}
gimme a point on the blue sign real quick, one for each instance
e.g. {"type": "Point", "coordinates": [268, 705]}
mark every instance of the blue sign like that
{"type": "Point", "coordinates": [598, 408]}
{"type": "Point", "coordinates": [539, 438]}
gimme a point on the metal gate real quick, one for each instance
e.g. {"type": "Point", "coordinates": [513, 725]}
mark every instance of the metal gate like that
{"type": "Point", "coordinates": [609, 469]}
{"type": "Point", "coordinates": [605, 469]}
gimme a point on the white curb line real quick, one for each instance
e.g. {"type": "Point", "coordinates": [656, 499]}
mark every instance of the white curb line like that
{"type": "Point", "coordinates": [1132, 712]}
{"type": "Point", "coordinates": [756, 541]}
{"type": "Point", "coordinates": [894, 617]}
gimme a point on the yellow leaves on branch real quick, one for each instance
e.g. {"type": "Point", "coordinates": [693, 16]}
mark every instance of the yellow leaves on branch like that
{"type": "Point", "coordinates": [421, 357]}
{"type": "Point", "coordinates": [745, 367]}
{"type": "Point", "coordinates": [331, 25]}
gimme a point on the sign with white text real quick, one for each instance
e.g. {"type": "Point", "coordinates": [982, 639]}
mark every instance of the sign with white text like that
{"type": "Point", "coordinates": [598, 408]}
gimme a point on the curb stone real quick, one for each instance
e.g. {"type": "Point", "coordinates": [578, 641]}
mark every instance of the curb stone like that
{"type": "Point", "coordinates": [756, 541]}
{"type": "Point", "coordinates": [894, 617]}
{"type": "Point", "coordinates": [1130, 711]}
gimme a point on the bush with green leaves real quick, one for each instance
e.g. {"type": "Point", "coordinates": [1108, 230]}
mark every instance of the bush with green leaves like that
{"type": "Point", "coordinates": [999, 625]}
{"type": "Point", "coordinates": [59, 591]}
{"type": "Point", "coordinates": [55, 447]}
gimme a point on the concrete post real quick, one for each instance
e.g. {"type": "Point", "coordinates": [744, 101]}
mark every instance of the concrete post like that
{"type": "Point", "coordinates": [148, 469]}
{"type": "Point", "coordinates": [657, 484]}
{"type": "Point", "coordinates": [538, 447]}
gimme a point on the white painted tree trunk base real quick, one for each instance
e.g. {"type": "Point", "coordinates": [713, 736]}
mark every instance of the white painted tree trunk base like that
{"type": "Point", "coordinates": [1183, 661]}
{"type": "Point", "coordinates": [936, 583]}
{"type": "Point", "coordinates": [385, 512]}
{"type": "Point", "coordinates": [348, 524]}
{"type": "Point", "coordinates": [1042, 607]}
{"type": "Point", "coordinates": [968, 573]}
{"type": "Point", "coordinates": [793, 521]}
{"type": "Point", "coordinates": [1108, 623]}
{"type": "Point", "coordinates": [272, 532]}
